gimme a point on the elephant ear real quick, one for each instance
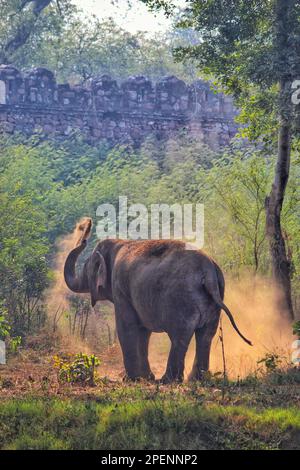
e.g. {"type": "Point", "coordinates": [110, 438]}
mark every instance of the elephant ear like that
{"type": "Point", "coordinates": [97, 275]}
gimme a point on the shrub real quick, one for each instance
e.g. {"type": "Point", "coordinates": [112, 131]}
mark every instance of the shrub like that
{"type": "Point", "coordinates": [271, 362]}
{"type": "Point", "coordinates": [296, 328]}
{"type": "Point", "coordinates": [78, 369]}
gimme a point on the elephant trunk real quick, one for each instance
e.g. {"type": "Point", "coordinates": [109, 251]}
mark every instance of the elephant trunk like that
{"type": "Point", "coordinates": [78, 284]}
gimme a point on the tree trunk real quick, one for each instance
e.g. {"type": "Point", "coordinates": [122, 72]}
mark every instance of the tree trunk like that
{"type": "Point", "coordinates": [284, 12]}
{"type": "Point", "coordinates": [280, 262]}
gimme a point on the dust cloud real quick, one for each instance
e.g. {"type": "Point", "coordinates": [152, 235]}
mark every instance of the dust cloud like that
{"type": "Point", "coordinates": [253, 303]}
{"type": "Point", "coordinates": [57, 296]}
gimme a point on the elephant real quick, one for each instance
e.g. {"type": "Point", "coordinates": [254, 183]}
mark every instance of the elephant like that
{"type": "Point", "coordinates": [155, 286]}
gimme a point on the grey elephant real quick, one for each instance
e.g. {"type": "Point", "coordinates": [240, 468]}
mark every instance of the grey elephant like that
{"type": "Point", "coordinates": [155, 286]}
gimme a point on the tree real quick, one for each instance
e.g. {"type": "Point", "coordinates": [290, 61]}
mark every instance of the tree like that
{"type": "Point", "coordinates": [23, 268]}
{"type": "Point", "coordinates": [253, 50]}
{"type": "Point", "coordinates": [77, 48]}
{"type": "Point", "coordinates": [56, 35]}
{"type": "Point", "coordinates": [20, 20]}
{"type": "Point", "coordinates": [284, 11]}
{"type": "Point", "coordinates": [248, 178]}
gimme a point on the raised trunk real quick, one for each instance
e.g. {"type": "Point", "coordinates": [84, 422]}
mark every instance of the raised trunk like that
{"type": "Point", "coordinates": [78, 284]}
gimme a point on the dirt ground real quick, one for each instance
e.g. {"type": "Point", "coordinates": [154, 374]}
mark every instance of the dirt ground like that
{"type": "Point", "coordinates": [32, 374]}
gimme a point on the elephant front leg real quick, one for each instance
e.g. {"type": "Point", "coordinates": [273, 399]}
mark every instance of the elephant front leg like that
{"type": "Point", "coordinates": [128, 337]}
{"type": "Point", "coordinates": [134, 341]}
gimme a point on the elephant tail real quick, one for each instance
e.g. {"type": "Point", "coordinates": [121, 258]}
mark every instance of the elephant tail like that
{"type": "Point", "coordinates": [212, 286]}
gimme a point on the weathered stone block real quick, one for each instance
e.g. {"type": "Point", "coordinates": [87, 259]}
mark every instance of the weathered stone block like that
{"type": "Point", "coordinates": [102, 109]}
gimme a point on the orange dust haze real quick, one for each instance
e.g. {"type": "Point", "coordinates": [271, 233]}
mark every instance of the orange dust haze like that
{"type": "Point", "coordinates": [253, 303]}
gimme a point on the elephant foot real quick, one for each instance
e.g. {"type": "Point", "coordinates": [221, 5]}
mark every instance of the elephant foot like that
{"type": "Point", "coordinates": [167, 379]}
{"type": "Point", "coordinates": [138, 378]}
{"type": "Point", "coordinates": [150, 377]}
{"type": "Point", "coordinates": [131, 378]}
{"type": "Point", "coordinates": [197, 375]}
{"type": "Point", "coordinates": [147, 377]}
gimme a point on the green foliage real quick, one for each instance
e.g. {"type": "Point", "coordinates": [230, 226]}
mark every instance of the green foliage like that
{"type": "Point", "coordinates": [236, 188]}
{"type": "Point", "coordinates": [241, 45]}
{"type": "Point", "coordinates": [14, 343]}
{"type": "Point", "coordinates": [22, 257]}
{"type": "Point", "coordinates": [279, 376]}
{"type": "Point", "coordinates": [151, 423]}
{"type": "Point", "coordinates": [271, 362]}
{"type": "Point", "coordinates": [4, 324]}
{"type": "Point", "coordinates": [78, 369]}
{"type": "Point", "coordinates": [296, 328]}
{"type": "Point", "coordinates": [28, 190]}
{"type": "Point", "coordinates": [22, 28]}
{"type": "Point", "coordinates": [89, 47]}
{"type": "Point", "coordinates": [76, 47]}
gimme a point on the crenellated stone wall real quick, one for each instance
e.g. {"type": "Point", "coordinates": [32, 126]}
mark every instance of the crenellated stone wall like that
{"type": "Point", "coordinates": [103, 109]}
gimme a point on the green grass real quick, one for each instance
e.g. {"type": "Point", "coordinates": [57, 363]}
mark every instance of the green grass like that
{"type": "Point", "coordinates": [156, 423]}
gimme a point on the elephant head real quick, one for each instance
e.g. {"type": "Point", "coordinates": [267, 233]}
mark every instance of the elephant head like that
{"type": "Point", "coordinates": [93, 277]}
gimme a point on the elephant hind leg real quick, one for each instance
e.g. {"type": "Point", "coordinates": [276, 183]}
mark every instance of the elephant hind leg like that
{"type": "Point", "coordinates": [175, 366]}
{"type": "Point", "coordinates": [143, 345]}
{"type": "Point", "coordinates": [204, 337]}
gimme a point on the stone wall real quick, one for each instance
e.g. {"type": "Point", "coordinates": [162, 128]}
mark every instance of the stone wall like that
{"type": "Point", "coordinates": [103, 109]}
